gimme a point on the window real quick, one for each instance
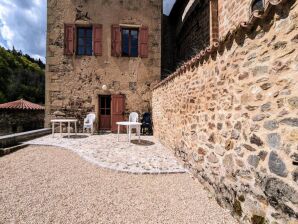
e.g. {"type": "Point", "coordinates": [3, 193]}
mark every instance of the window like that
{"type": "Point", "coordinates": [130, 40]}
{"type": "Point", "coordinates": [105, 105]}
{"type": "Point", "coordinates": [84, 41]}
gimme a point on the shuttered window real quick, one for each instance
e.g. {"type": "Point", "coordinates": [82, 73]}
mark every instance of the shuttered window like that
{"type": "Point", "coordinates": [84, 41]}
{"type": "Point", "coordinates": [130, 42]}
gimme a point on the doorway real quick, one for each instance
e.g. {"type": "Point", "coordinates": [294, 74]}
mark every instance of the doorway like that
{"type": "Point", "coordinates": [111, 110]}
{"type": "Point", "coordinates": [105, 112]}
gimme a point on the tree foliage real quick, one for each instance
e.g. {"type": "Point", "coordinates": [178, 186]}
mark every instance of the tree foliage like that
{"type": "Point", "coordinates": [21, 77]}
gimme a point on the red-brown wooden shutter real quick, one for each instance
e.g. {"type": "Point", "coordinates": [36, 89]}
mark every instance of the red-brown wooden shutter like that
{"type": "Point", "coordinates": [97, 39]}
{"type": "Point", "coordinates": [116, 41]}
{"type": "Point", "coordinates": [143, 42]}
{"type": "Point", "coordinates": [69, 39]}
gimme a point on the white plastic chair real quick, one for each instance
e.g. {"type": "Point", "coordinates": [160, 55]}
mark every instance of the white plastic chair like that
{"type": "Point", "coordinates": [133, 117]}
{"type": "Point", "coordinates": [89, 121]}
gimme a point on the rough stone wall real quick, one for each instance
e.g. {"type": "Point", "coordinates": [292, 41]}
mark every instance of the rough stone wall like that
{"type": "Point", "coordinates": [73, 83]}
{"type": "Point", "coordinates": [14, 121]}
{"type": "Point", "coordinates": [233, 119]}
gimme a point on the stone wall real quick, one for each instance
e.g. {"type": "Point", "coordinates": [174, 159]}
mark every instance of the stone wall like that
{"type": "Point", "coordinates": [232, 119]}
{"type": "Point", "coordinates": [74, 83]}
{"type": "Point", "coordinates": [15, 121]}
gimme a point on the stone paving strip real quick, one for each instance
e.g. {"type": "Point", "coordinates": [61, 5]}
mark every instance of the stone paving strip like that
{"type": "Point", "coordinates": [41, 184]}
{"type": "Point", "coordinates": [151, 157]}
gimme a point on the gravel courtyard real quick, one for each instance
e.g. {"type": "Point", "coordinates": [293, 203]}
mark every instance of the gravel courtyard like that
{"type": "Point", "coordinates": [40, 184]}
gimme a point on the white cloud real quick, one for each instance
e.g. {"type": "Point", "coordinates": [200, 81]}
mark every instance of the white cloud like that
{"type": "Point", "coordinates": [23, 25]}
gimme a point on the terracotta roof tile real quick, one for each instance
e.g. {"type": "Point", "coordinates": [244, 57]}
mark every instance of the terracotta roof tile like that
{"type": "Point", "coordinates": [21, 105]}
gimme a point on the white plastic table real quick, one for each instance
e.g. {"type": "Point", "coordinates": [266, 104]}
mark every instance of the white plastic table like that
{"type": "Point", "coordinates": [128, 125]}
{"type": "Point", "coordinates": [60, 121]}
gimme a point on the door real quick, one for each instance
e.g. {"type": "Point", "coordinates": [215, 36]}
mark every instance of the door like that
{"type": "Point", "coordinates": [105, 112]}
{"type": "Point", "coordinates": [118, 107]}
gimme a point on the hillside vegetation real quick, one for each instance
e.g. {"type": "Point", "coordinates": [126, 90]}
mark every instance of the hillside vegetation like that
{"type": "Point", "coordinates": [21, 77]}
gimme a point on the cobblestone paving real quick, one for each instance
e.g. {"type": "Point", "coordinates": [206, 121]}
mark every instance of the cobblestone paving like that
{"type": "Point", "coordinates": [105, 151]}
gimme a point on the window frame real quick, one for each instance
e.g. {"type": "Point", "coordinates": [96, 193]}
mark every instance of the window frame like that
{"type": "Point", "coordinates": [85, 28]}
{"type": "Point", "coordinates": [129, 41]}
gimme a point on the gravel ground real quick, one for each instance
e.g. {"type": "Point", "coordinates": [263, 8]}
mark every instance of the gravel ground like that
{"type": "Point", "coordinates": [41, 184]}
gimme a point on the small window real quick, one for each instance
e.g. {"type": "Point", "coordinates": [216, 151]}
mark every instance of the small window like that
{"type": "Point", "coordinates": [257, 5]}
{"type": "Point", "coordinates": [84, 41]}
{"type": "Point", "coordinates": [130, 41]}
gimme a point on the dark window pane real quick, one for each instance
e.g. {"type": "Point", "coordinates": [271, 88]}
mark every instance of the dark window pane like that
{"type": "Point", "coordinates": [81, 32]}
{"type": "Point", "coordinates": [89, 50]}
{"type": "Point", "coordinates": [102, 102]}
{"type": "Point", "coordinates": [88, 41]}
{"type": "Point", "coordinates": [84, 41]}
{"type": "Point", "coordinates": [134, 52]}
{"type": "Point", "coordinates": [80, 41]}
{"type": "Point", "coordinates": [108, 102]}
{"type": "Point", "coordinates": [108, 112]}
{"type": "Point", "coordinates": [134, 35]}
{"type": "Point", "coordinates": [80, 50]}
{"type": "Point", "coordinates": [125, 42]}
{"type": "Point", "coordinates": [103, 112]}
{"type": "Point", "coordinates": [134, 43]}
{"type": "Point", "coordinates": [89, 33]}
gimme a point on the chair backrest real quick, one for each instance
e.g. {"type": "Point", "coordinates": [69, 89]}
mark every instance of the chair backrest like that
{"type": "Point", "coordinates": [91, 117]}
{"type": "Point", "coordinates": [146, 118]}
{"type": "Point", "coordinates": [133, 117]}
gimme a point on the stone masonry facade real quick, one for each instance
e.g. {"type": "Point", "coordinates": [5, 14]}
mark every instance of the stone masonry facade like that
{"type": "Point", "coordinates": [74, 83]}
{"type": "Point", "coordinates": [230, 113]}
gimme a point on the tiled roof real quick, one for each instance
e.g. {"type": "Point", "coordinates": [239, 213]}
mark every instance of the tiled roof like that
{"type": "Point", "coordinates": [21, 105]}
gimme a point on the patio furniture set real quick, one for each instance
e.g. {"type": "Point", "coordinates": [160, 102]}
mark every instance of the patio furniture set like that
{"type": "Point", "coordinates": [132, 123]}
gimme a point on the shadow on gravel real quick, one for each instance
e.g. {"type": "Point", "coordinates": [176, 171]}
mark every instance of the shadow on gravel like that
{"type": "Point", "coordinates": [142, 142]}
{"type": "Point", "coordinates": [76, 136]}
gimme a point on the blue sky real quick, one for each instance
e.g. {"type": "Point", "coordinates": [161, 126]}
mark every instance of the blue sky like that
{"type": "Point", "coordinates": [23, 25]}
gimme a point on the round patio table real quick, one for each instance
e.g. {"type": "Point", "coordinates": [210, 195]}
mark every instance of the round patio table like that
{"type": "Point", "coordinates": [129, 125]}
{"type": "Point", "coordinates": [60, 121]}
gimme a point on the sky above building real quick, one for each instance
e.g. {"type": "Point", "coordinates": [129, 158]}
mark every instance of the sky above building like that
{"type": "Point", "coordinates": [23, 25]}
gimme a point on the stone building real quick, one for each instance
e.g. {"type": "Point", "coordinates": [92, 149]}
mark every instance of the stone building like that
{"type": "Point", "coordinates": [19, 116]}
{"type": "Point", "coordinates": [103, 56]}
{"type": "Point", "coordinates": [229, 109]}
{"type": "Point", "coordinates": [227, 104]}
